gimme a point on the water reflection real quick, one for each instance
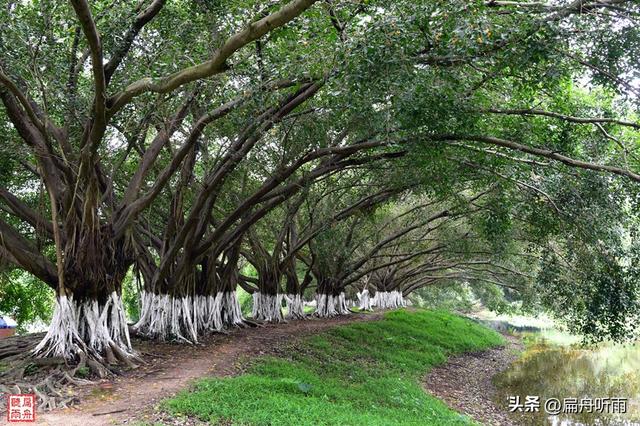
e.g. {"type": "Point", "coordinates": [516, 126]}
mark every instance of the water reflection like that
{"type": "Point", "coordinates": [551, 368]}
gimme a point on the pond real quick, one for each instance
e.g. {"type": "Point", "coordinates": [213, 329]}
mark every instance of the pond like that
{"type": "Point", "coordinates": [589, 382]}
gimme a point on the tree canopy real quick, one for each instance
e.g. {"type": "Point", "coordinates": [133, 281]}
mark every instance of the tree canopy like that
{"type": "Point", "coordinates": [334, 146]}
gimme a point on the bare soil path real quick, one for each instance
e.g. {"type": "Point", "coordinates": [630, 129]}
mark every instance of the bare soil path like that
{"type": "Point", "coordinates": [170, 368]}
{"type": "Point", "coordinates": [465, 382]}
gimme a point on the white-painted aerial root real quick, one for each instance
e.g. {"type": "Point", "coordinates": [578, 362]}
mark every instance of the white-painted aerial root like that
{"type": "Point", "coordinates": [97, 331]}
{"type": "Point", "coordinates": [295, 306]}
{"type": "Point", "coordinates": [208, 312]}
{"type": "Point", "coordinates": [165, 317]}
{"type": "Point", "coordinates": [364, 301]}
{"type": "Point", "coordinates": [230, 307]}
{"type": "Point", "coordinates": [341, 305]}
{"type": "Point", "coordinates": [328, 305]}
{"type": "Point", "coordinates": [325, 306]}
{"type": "Point", "coordinates": [267, 307]}
{"type": "Point", "coordinates": [389, 300]}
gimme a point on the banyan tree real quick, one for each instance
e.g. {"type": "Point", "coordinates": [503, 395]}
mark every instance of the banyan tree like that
{"type": "Point", "coordinates": [67, 129]}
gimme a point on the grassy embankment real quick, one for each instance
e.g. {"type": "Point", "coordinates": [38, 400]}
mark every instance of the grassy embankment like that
{"type": "Point", "coordinates": [365, 373]}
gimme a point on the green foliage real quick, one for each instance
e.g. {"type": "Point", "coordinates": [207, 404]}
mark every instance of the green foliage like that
{"type": "Point", "coordinates": [83, 372]}
{"type": "Point", "coordinates": [405, 72]}
{"type": "Point", "coordinates": [245, 300]}
{"type": "Point", "coordinates": [363, 373]}
{"type": "Point", "coordinates": [450, 297]}
{"type": "Point", "coordinates": [25, 299]}
{"type": "Point", "coordinates": [606, 303]}
{"type": "Point", "coordinates": [131, 297]}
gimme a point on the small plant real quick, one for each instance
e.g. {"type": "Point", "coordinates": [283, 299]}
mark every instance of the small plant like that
{"type": "Point", "coordinates": [30, 369]}
{"type": "Point", "coordinates": [305, 387]}
{"type": "Point", "coordinates": [82, 372]}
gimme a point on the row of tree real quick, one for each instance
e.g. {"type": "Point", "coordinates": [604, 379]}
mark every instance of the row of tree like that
{"type": "Point", "coordinates": [334, 146]}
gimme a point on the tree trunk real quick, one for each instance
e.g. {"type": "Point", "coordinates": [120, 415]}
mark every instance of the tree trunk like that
{"type": "Point", "coordinates": [89, 319]}
{"type": "Point", "coordinates": [229, 276]}
{"type": "Point", "coordinates": [267, 307]}
{"type": "Point", "coordinates": [88, 328]}
{"type": "Point", "coordinates": [295, 306]}
{"type": "Point", "coordinates": [295, 290]}
{"type": "Point", "coordinates": [267, 301]}
{"type": "Point", "coordinates": [330, 299]}
{"type": "Point", "coordinates": [364, 300]}
{"type": "Point", "coordinates": [168, 317]}
{"type": "Point", "coordinates": [389, 300]}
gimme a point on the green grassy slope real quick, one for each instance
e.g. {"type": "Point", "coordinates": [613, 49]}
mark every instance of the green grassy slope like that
{"type": "Point", "coordinates": [365, 373]}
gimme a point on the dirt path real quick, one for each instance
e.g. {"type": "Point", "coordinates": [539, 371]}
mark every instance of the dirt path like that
{"type": "Point", "coordinates": [170, 368]}
{"type": "Point", "coordinates": [464, 382]}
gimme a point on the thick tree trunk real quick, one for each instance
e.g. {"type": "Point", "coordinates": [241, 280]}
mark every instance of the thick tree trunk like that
{"type": "Point", "coordinates": [295, 289]}
{"type": "Point", "coordinates": [364, 301]}
{"type": "Point", "coordinates": [330, 299]}
{"type": "Point", "coordinates": [341, 304]}
{"type": "Point", "coordinates": [89, 320]}
{"type": "Point", "coordinates": [267, 300]}
{"type": "Point", "coordinates": [208, 312]}
{"type": "Point", "coordinates": [295, 306]}
{"type": "Point", "coordinates": [231, 311]}
{"type": "Point", "coordinates": [267, 307]}
{"type": "Point", "coordinates": [325, 305]}
{"type": "Point", "coordinates": [167, 317]}
{"type": "Point", "coordinates": [389, 300]}
{"type": "Point", "coordinates": [91, 329]}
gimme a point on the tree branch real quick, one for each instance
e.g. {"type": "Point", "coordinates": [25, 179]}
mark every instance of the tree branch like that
{"type": "Point", "coordinates": [569, 118]}
{"type": "Point", "coordinates": [217, 63]}
{"type": "Point", "coordinates": [121, 52]}
{"type": "Point", "coordinates": [540, 152]}
{"type": "Point", "coordinates": [25, 256]}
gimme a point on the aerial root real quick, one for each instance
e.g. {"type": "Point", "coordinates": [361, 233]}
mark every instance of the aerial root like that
{"type": "Point", "coordinates": [87, 331]}
{"type": "Point", "coordinates": [295, 306]}
{"type": "Point", "coordinates": [389, 300]}
{"type": "Point", "coordinates": [365, 303]}
{"type": "Point", "coordinates": [267, 307]}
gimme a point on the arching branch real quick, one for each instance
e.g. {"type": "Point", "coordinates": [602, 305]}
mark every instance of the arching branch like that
{"type": "Point", "coordinates": [217, 63]}
{"type": "Point", "coordinates": [541, 152]}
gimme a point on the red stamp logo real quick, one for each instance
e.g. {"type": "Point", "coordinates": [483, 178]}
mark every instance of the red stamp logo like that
{"type": "Point", "coordinates": [21, 408]}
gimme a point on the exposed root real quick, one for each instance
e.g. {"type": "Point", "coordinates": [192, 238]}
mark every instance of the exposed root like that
{"type": "Point", "coordinates": [83, 339]}
{"type": "Point", "coordinates": [248, 323]}
{"type": "Point", "coordinates": [53, 390]}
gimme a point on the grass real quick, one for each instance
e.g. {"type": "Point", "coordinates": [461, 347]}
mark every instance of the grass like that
{"type": "Point", "coordinates": [362, 373]}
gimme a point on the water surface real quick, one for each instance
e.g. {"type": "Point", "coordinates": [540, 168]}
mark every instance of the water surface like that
{"type": "Point", "coordinates": [555, 365]}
